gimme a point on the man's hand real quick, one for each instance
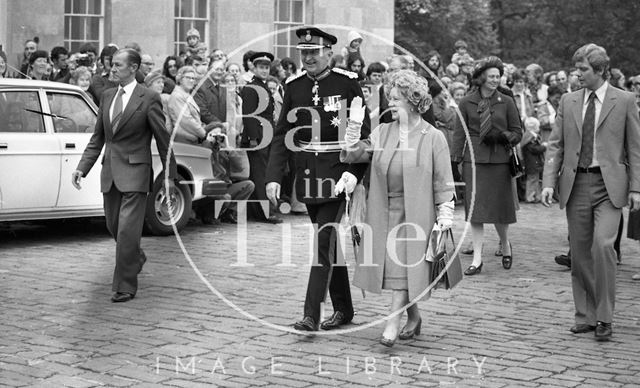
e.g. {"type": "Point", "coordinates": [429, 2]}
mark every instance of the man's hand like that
{"type": "Point", "coordinates": [273, 192]}
{"type": "Point", "coordinates": [547, 196]}
{"type": "Point", "coordinates": [634, 201]}
{"type": "Point", "coordinates": [347, 183]}
{"type": "Point", "coordinates": [76, 177]}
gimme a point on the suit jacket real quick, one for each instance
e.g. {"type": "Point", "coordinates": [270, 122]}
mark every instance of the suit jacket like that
{"type": "Point", "coordinates": [617, 136]}
{"type": "Point", "coordinates": [212, 102]}
{"type": "Point", "coordinates": [127, 157]}
{"type": "Point", "coordinates": [504, 117]}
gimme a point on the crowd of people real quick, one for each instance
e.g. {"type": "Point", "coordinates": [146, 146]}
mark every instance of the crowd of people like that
{"type": "Point", "coordinates": [505, 109]}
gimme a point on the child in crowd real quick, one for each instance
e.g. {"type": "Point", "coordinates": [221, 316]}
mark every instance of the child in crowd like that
{"type": "Point", "coordinates": [194, 45]}
{"type": "Point", "coordinates": [462, 58]}
{"type": "Point", "coordinates": [533, 150]}
{"type": "Point", "coordinates": [355, 40]}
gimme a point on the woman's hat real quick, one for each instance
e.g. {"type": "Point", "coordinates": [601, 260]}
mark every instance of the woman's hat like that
{"type": "Point", "coordinates": [487, 63]}
{"type": "Point", "coordinates": [152, 77]}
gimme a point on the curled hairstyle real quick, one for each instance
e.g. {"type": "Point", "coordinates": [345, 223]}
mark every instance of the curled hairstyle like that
{"type": "Point", "coordinates": [182, 71]}
{"type": "Point", "coordinates": [596, 56]}
{"type": "Point", "coordinates": [412, 87]}
{"type": "Point", "coordinates": [79, 72]}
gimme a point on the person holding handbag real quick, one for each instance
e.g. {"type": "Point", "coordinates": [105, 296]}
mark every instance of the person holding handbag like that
{"type": "Point", "coordinates": [411, 188]}
{"type": "Point", "coordinates": [494, 128]}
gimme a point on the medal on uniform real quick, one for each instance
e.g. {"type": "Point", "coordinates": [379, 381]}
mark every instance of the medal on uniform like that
{"type": "Point", "coordinates": [331, 103]}
{"type": "Point", "coordinates": [314, 90]}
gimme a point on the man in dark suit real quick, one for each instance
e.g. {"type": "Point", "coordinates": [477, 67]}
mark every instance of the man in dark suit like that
{"type": "Point", "coordinates": [212, 96]}
{"type": "Point", "coordinates": [129, 116]}
{"type": "Point", "coordinates": [594, 157]}
{"type": "Point", "coordinates": [317, 98]}
{"type": "Point", "coordinates": [257, 110]}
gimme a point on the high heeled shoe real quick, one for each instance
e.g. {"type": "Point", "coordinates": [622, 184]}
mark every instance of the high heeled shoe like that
{"type": "Point", "coordinates": [387, 342]}
{"type": "Point", "coordinates": [507, 260]}
{"type": "Point", "coordinates": [472, 270]}
{"type": "Point", "coordinates": [408, 334]}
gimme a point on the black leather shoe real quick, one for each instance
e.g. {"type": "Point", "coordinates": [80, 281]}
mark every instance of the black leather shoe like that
{"type": "Point", "coordinates": [581, 328]}
{"type": "Point", "coordinates": [563, 260]}
{"type": "Point", "coordinates": [337, 319]}
{"type": "Point", "coordinates": [408, 334]}
{"type": "Point", "coordinates": [306, 324]}
{"type": "Point", "coordinates": [273, 220]}
{"type": "Point", "coordinates": [603, 331]}
{"type": "Point", "coordinates": [229, 218]}
{"type": "Point", "coordinates": [472, 270]}
{"type": "Point", "coordinates": [120, 297]}
{"type": "Point", "coordinates": [507, 260]}
{"type": "Point", "coordinates": [499, 250]}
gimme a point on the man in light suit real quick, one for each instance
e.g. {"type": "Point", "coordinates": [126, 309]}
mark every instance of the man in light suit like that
{"type": "Point", "coordinates": [129, 116]}
{"type": "Point", "coordinates": [594, 157]}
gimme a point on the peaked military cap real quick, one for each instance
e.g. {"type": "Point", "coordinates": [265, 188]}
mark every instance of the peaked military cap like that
{"type": "Point", "coordinates": [261, 56]}
{"type": "Point", "coordinates": [314, 38]}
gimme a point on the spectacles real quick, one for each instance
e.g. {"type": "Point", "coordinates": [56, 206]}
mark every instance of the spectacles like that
{"type": "Point", "coordinates": [149, 63]}
{"type": "Point", "coordinates": [189, 77]}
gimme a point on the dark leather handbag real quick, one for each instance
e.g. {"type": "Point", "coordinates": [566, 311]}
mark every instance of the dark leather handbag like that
{"type": "Point", "coordinates": [516, 167]}
{"type": "Point", "coordinates": [440, 256]}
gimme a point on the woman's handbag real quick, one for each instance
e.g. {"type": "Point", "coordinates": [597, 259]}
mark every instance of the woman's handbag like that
{"type": "Point", "coordinates": [515, 164]}
{"type": "Point", "coordinates": [440, 256]}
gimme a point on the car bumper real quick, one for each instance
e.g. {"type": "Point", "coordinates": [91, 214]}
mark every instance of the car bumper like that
{"type": "Point", "coordinates": [214, 187]}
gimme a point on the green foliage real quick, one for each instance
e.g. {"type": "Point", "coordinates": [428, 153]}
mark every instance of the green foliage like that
{"type": "Point", "coordinates": [546, 32]}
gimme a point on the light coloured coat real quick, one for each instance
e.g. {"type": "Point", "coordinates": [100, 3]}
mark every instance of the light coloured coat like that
{"type": "Point", "coordinates": [427, 180]}
{"type": "Point", "coordinates": [617, 136]}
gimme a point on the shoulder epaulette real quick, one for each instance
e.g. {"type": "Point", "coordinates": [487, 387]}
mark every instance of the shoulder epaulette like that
{"type": "Point", "coordinates": [295, 76]}
{"type": "Point", "coordinates": [348, 73]}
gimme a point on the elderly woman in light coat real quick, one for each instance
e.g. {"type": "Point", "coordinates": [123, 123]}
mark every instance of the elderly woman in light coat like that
{"type": "Point", "coordinates": [411, 188]}
{"type": "Point", "coordinates": [184, 113]}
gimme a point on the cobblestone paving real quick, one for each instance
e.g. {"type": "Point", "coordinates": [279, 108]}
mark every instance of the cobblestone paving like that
{"type": "Point", "coordinates": [498, 329]}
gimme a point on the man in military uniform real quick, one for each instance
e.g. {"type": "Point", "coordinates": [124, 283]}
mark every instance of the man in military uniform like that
{"type": "Point", "coordinates": [257, 111]}
{"type": "Point", "coordinates": [313, 101]}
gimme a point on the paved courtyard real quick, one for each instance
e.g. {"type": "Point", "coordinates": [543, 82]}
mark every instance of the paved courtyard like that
{"type": "Point", "coordinates": [498, 329]}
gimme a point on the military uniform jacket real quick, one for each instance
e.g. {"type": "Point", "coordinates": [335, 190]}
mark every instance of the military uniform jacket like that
{"type": "Point", "coordinates": [254, 94]}
{"type": "Point", "coordinates": [316, 172]}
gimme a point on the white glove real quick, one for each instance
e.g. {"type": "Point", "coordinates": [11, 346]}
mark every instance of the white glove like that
{"type": "Point", "coordinates": [273, 192]}
{"type": "Point", "coordinates": [356, 117]}
{"type": "Point", "coordinates": [445, 215]}
{"type": "Point", "coordinates": [347, 183]}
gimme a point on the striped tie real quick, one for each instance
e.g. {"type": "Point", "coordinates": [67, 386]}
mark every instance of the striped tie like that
{"type": "Point", "coordinates": [117, 111]}
{"type": "Point", "coordinates": [484, 108]}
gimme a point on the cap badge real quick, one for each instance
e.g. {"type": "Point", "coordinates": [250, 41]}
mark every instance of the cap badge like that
{"type": "Point", "coordinates": [307, 38]}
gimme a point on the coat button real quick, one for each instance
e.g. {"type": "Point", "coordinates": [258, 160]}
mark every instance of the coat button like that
{"type": "Point", "coordinates": [316, 154]}
{"type": "Point", "coordinates": [574, 170]}
{"type": "Point", "coordinates": [578, 154]}
{"type": "Point", "coordinates": [307, 171]}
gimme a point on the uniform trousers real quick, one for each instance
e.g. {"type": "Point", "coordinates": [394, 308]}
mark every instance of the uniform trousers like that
{"type": "Point", "coordinates": [339, 290]}
{"type": "Point", "coordinates": [593, 226]}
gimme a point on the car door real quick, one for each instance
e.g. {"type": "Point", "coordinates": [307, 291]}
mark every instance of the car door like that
{"type": "Point", "coordinates": [29, 155]}
{"type": "Point", "coordinates": [73, 120]}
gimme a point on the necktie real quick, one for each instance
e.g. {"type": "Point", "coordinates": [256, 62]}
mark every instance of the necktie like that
{"type": "Point", "coordinates": [484, 107]}
{"type": "Point", "coordinates": [117, 110]}
{"type": "Point", "coordinates": [588, 127]}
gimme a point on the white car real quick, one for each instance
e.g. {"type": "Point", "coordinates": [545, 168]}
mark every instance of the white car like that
{"type": "Point", "coordinates": [44, 129]}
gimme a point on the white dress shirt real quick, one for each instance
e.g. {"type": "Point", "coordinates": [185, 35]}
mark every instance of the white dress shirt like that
{"type": "Point", "coordinates": [600, 93]}
{"type": "Point", "coordinates": [128, 91]}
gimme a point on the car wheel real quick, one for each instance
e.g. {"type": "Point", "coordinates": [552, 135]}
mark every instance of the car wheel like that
{"type": "Point", "coordinates": [161, 206]}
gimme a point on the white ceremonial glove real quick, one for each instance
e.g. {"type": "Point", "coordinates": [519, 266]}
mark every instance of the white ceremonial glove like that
{"type": "Point", "coordinates": [347, 183]}
{"type": "Point", "coordinates": [356, 117]}
{"type": "Point", "coordinates": [445, 215]}
{"type": "Point", "coordinates": [273, 192]}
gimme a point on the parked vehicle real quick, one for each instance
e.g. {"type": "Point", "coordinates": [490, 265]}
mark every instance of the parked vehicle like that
{"type": "Point", "coordinates": [44, 129]}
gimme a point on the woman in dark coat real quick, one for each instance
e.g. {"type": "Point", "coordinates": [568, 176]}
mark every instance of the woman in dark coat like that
{"type": "Point", "coordinates": [493, 123]}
